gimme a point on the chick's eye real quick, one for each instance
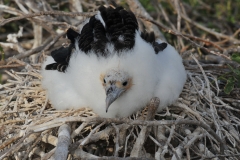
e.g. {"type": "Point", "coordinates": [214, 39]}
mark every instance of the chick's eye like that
{"type": "Point", "coordinates": [104, 81]}
{"type": "Point", "coordinates": [125, 83]}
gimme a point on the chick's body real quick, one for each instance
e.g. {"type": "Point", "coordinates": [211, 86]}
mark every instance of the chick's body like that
{"type": "Point", "coordinates": [140, 72]}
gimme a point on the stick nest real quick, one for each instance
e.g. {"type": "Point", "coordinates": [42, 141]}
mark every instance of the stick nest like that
{"type": "Point", "coordinates": [29, 123]}
{"type": "Point", "coordinates": [201, 124]}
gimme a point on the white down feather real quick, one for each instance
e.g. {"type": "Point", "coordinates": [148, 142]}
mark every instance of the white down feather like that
{"type": "Point", "coordinates": [154, 75]}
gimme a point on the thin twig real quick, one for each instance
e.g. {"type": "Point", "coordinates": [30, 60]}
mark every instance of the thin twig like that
{"type": "Point", "coordinates": [62, 13]}
{"type": "Point", "coordinates": [185, 36]}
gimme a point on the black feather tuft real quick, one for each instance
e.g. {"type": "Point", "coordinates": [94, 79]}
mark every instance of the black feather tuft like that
{"type": "Point", "coordinates": [148, 37]}
{"type": "Point", "coordinates": [86, 38]}
{"type": "Point", "coordinates": [159, 47]}
{"type": "Point", "coordinates": [57, 66]}
{"type": "Point", "coordinates": [121, 26]}
{"type": "Point", "coordinates": [128, 30]}
{"type": "Point", "coordinates": [72, 35]}
{"type": "Point", "coordinates": [60, 54]}
{"type": "Point", "coordinates": [93, 37]}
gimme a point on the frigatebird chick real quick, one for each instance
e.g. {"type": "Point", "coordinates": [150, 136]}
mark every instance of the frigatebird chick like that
{"type": "Point", "coordinates": [113, 67]}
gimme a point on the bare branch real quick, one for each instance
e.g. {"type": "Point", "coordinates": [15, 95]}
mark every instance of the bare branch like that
{"type": "Point", "coordinates": [48, 13]}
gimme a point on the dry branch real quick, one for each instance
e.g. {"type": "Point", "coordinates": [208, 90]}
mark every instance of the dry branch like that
{"type": "Point", "coordinates": [64, 141]}
{"type": "Point", "coordinates": [62, 13]}
{"type": "Point", "coordinates": [48, 123]}
{"type": "Point", "coordinates": [145, 131]}
{"type": "Point", "coordinates": [185, 36]}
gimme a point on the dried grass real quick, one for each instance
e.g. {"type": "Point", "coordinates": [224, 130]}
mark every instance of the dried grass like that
{"type": "Point", "coordinates": [201, 124]}
{"type": "Point", "coordinates": [29, 123]}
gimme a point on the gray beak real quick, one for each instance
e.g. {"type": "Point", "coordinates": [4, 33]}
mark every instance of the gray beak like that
{"type": "Point", "coordinates": [112, 93]}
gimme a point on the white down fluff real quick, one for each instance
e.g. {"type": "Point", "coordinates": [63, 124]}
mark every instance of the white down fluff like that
{"type": "Point", "coordinates": [154, 75]}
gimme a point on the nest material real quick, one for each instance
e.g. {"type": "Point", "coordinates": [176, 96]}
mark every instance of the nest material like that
{"type": "Point", "coordinates": [201, 124]}
{"type": "Point", "coordinates": [198, 125]}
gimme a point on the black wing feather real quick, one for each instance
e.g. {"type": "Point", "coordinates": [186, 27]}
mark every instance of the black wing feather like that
{"type": "Point", "coordinates": [72, 35]}
{"type": "Point", "coordinates": [119, 22]}
{"type": "Point", "coordinates": [62, 55]}
{"type": "Point", "coordinates": [150, 38]}
{"type": "Point", "coordinates": [159, 47]}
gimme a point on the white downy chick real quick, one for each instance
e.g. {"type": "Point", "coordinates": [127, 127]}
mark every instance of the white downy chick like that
{"type": "Point", "coordinates": [113, 68]}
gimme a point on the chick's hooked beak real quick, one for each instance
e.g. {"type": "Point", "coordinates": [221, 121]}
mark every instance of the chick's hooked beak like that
{"type": "Point", "coordinates": [112, 93]}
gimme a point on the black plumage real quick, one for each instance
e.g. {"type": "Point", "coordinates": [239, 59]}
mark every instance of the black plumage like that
{"type": "Point", "coordinates": [150, 38]}
{"type": "Point", "coordinates": [57, 66]}
{"type": "Point", "coordinates": [119, 30]}
{"type": "Point", "coordinates": [62, 55]}
{"type": "Point", "coordinates": [120, 27]}
{"type": "Point", "coordinates": [59, 55]}
{"type": "Point", "coordinates": [99, 40]}
{"type": "Point", "coordinates": [159, 47]}
{"type": "Point", "coordinates": [72, 35]}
